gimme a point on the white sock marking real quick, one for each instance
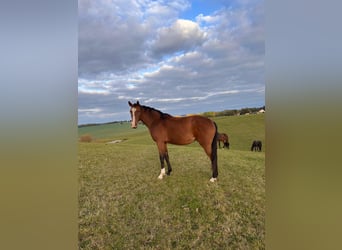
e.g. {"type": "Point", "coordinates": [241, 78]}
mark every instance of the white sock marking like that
{"type": "Point", "coordinates": [162, 173]}
{"type": "Point", "coordinates": [213, 179]}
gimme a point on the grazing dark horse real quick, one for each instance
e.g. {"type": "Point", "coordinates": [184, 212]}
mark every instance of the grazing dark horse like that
{"type": "Point", "coordinates": [256, 146]}
{"type": "Point", "coordinates": [165, 128]}
{"type": "Point", "coordinates": [222, 137]}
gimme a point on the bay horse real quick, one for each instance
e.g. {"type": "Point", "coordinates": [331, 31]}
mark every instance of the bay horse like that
{"type": "Point", "coordinates": [165, 128]}
{"type": "Point", "coordinates": [256, 146]}
{"type": "Point", "coordinates": [222, 137]}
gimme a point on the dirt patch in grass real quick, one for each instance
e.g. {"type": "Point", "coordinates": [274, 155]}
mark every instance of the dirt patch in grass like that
{"type": "Point", "coordinates": [115, 141]}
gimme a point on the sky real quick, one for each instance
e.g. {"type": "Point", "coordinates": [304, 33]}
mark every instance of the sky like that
{"type": "Point", "coordinates": [181, 57]}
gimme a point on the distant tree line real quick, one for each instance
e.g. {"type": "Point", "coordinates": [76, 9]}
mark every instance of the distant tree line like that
{"type": "Point", "coordinates": [231, 112]}
{"type": "Point", "coordinates": [97, 124]}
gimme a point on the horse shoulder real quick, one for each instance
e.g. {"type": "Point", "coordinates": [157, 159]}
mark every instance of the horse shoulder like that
{"type": "Point", "coordinates": [158, 130]}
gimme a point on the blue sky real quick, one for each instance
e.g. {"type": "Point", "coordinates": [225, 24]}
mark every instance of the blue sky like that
{"type": "Point", "coordinates": [177, 56]}
{"type": "Point", "coordinates": [204, 7]}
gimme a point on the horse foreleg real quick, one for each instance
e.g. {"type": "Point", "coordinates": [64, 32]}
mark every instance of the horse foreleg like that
{"type": "Point", "coordinates": [169, 169]}
{"type": "Point", "coordinates": [162, 171]}
{"type": "Point", "coordinates": [163, 155]}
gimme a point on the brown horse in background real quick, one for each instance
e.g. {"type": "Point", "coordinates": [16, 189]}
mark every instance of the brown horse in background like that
{"type": "Point", "coordinates": [222, 137]}
{"type": "Point", "coordinates": [165, 128]}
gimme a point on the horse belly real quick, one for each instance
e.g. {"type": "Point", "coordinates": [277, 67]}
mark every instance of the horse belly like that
{"type": "Point", "coordinates": [177, 131]}
{"type": "Point", "coordinates": [180, 139]}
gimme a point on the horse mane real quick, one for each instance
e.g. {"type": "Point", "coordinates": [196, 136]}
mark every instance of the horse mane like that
{"type": "Point", "coordinates": [162, 115]}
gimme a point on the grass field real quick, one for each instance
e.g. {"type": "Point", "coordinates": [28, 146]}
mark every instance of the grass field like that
{"type": "Point", "coordinates": [122, 204]}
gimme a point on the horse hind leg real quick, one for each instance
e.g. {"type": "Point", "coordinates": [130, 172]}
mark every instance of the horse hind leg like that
{"type": "Point", "coordinates": [210, 147]}
{"type": "Point", "coordinates": [213, 156]}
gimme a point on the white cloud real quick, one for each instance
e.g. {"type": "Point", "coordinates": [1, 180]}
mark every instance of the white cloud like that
{"type": "Point", "coordinates": [192, 98]}
{"type": "Point", "coordinates": [182, 35]}
{"type": "Point", "coordinates": [94, 110]}
{"type": "Point", "coordinates": [207, 19]}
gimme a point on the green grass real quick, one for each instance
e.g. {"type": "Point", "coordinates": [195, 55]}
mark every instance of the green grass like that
{"type": "Point", "coordinates": [122, 204]}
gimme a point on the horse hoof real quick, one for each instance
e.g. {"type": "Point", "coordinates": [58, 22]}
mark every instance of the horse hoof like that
{"type": "Point", "coordinates": [213, 179]}
{"type": "Point", "coordinates": [160, 177]}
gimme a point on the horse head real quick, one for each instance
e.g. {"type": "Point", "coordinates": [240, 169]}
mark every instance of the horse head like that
{"type": "Point", "coordinates": [135, 113]}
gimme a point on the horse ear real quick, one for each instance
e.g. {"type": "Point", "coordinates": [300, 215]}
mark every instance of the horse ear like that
{"type": "Point", "coordinates": [138, 103]}
{"type": "Point", "coordinates": [130, 104]}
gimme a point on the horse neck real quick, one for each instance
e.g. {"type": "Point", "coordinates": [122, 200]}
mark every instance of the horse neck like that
{"type": "Point", "coordinates": [149, 116]}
